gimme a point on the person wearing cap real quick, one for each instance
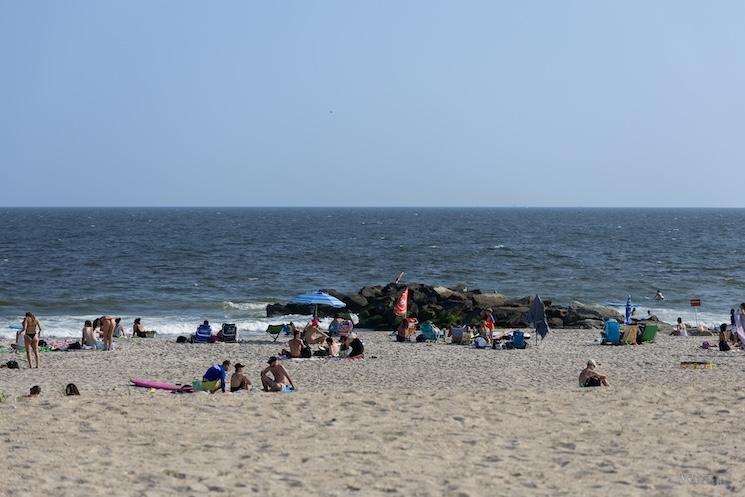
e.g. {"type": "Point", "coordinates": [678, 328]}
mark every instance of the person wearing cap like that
{"type": "Point", "coordinates": [280, 378]}
{"type": "Point", "coordinates": [355, 346]}
{"type": "Point", "coordinates": [214, 378]}
{"type": "Point", "coordinates": [591, 378]}
{"type": "Point", "coordinates": [239, 381]}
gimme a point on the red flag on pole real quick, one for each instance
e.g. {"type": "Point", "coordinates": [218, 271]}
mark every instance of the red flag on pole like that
{"type": "Point", "coordinates": [402, 303]}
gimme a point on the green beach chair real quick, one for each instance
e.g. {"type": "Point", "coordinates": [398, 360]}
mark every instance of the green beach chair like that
{"type": "Point", "coordinates": [275, 330]}
{"type": "Point", "coordinates": [650, 333]}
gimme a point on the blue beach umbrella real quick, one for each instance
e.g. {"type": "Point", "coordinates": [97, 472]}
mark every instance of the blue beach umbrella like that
{"type": "Point", "coordinates": [317, 298]}
{"type": "Point", "coordinates": [628, 310]}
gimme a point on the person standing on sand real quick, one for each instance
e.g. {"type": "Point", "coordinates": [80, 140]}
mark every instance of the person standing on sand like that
{"type": "Point", "coordinates": [214, 378]}
{"type": "Point", "coordinates": [280, 377]}
{"type": "Point", "coordinates": [588, 377]}
{"type": "Point", "coordinates": [31, 334]}
{"type": "Point", "coordinates": [107, 331]}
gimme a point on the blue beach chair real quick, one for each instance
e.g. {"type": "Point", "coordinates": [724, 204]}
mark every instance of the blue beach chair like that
{"type": "Point", "coordinates": [518, 340]}
{"type": "Point", "coordinates": [430, 332]}
{"type": "Point", "coordinates": [612, 332]}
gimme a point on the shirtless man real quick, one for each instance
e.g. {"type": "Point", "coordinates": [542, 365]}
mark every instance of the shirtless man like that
{"type": "Point", "coordinates": [281, 377]}
{"type": "Point", "coordinates": [313, 335]}
{"type": "Point", "coordinates": [107, 331]}
{"type": "Point", "coordinates": [591, 378]}
{"type": "Point", "coordinates": [296, 346]}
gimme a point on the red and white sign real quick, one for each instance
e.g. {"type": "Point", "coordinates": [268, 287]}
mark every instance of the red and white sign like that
{"type": "Point", "coordinates": [695, 302]}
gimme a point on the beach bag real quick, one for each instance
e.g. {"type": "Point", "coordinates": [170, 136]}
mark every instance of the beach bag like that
{"type": "Point", "coordinates": [43, 343]}
{"type": "Point", "coordinates": [12, 365]}
{"type": "Point", "coordinates": [182, 339]}
{"type": "Point", "coordinates": [71, 389]}
{"type": "Point", "coordinates": [321, 353]}
{"type": "Point", "coordinates": [74, 346]}
{"type": "Point", "coordinates": [421, 338]}
{"type": "Point", "coordinates": [306, 352]}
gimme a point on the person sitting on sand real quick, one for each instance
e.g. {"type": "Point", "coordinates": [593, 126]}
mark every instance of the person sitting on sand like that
{"type": "Point", "coordinates": [313, 335]}
{"type": "Point", "coordinates": [332, 348]}
{"type": "Point", "coordinates": [118, 328]}
{"type": "Point", "coordinates": [280, 378]}
{"type": "Point", "coordinates": [355, 345]}
{"type": "Point", "coordinates": [89, 338]}
{"type": "Point", "coordinates": [723, 342]}
{"type": "Point", "coordinates": [334, 325]}
{"type": "Point", "coordinates": [680, 330]}
{"type": "Point", "coordinates": [591, 378]}
{"type": "Point", "coordinates": [138, 329]}
{"type": "Point", "coordinates": [239, 381]}
{"type": "Point", "coordinates": [214, 378]}
{"type": "Point", "coordinates": [295, 345]}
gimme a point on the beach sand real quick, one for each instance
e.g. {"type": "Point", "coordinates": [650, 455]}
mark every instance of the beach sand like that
{"type": "Point", "coordinates": [417, 420]}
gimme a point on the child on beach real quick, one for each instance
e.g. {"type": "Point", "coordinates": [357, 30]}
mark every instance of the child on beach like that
{"type": "Point", "coordinates": [239, 381]}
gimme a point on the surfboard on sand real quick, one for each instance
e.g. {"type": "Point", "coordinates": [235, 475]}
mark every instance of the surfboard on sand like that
{"type": "Point", "coordinates": [160, 385]}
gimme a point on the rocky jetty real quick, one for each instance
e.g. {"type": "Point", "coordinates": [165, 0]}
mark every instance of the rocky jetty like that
{"type": "Point", "coordinates": [448, 307]}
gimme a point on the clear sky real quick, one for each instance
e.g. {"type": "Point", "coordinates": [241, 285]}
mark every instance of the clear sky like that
{"type": "Point", "coordinates": [379, 103]}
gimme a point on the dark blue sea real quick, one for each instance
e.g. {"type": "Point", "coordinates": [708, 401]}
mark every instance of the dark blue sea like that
{"type": "Point", "coordinates": [175, 267]}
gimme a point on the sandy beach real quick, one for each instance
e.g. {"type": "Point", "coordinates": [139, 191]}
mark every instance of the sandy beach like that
{"type": "Point", "coordinates": [418, 419]}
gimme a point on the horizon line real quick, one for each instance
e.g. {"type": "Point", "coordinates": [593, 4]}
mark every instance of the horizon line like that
{"type": "Point", "coordinates": [358, 207]}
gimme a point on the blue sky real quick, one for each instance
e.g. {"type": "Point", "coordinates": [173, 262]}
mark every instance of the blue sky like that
{"type": "Point", "coordinates": [296, 103]}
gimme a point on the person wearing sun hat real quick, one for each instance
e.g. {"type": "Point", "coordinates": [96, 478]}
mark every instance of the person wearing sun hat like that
{"type": "Point", "coordinates": [589, 377]}
{"type": "Point", "coordinates": [279, 381]}
{"type": "Point", "coordinates": [239, 381]}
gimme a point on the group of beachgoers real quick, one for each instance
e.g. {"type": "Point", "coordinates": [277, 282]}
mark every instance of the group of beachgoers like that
{"type": "Point", "coordinates": [300, 345]}
{"type": "Point", "coordinates": [274, 378]}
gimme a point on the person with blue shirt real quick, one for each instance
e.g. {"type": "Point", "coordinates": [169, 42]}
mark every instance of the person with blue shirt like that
{"type": "Point", "coordinates": [214, 378]}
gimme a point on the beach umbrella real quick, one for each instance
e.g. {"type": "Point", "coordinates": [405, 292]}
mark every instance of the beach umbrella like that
{"type": "Point", "coordinates": [317, 298]}
{"type": "Point", "coordinates": [537, 317]}
{"type": "Point", "coordinates": [628, 310]}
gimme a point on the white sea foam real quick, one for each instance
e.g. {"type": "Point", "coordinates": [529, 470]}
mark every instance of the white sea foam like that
{"type": "Point", "coordinates": [71, 326]}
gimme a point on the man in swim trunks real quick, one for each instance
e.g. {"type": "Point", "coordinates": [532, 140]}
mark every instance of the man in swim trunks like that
{"type": "Point", "coordinates": [214, 378]}
{"type": "Point", "coordinates": [280, 380]}
{"type": "Point", "coordinates": [591, 378]}
{"type": "Point", "coordinates": [295, 345]}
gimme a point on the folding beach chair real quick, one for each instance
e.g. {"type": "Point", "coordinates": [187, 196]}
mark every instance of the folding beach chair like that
{"type": "Point", "coordinates": [518, 340]}
{"type": "Point", "coordinates": [430, 332]}
{"type": "Point", "coordinates": [203, 334]}
{"type": "Point", "coordinates": [629, 336]}
{"type": "Point", "coordinates": [276, 329]}
{"type": "Point", "coordinates": [229, 333]}
{"type": "Point", "coordinates": [461, 336]}
{"type": "Point", "coordinates": [650, 333]}
{"type": "Point", "coordinates": [612, 332]}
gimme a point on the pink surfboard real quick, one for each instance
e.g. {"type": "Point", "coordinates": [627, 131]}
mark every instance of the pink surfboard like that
{"type": "Point", "coordinates": [160, 385]}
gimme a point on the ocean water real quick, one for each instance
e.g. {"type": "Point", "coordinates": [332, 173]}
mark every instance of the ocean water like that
{"type": "Point", "coordinates": [176, 267]}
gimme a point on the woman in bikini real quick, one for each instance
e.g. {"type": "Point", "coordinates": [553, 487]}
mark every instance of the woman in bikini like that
{"type": "Point", "coordinates": [31, 334]}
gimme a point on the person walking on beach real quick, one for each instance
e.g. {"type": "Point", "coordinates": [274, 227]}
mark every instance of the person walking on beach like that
{"type": "Point", "coordinates": [588, 377]}
{"type": "Point", "coordinates": [279, 380]}
{"type": "Point", "coordinates": [31, 334]}
{"type": "Point", "coordinates": [214, 378]}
